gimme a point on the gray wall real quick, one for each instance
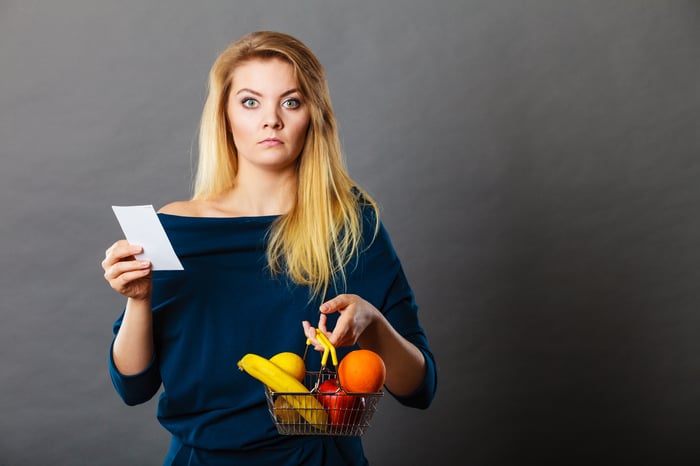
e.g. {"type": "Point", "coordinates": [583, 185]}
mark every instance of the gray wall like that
{"type": "Point", "coordinates": [537, 164]}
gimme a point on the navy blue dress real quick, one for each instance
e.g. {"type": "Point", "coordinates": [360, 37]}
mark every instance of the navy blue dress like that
{"type": "Point", "coordinates": [226, 304]}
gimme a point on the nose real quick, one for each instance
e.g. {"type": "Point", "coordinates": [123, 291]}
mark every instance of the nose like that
{"type": "Point", "coordinates": [272, 120]}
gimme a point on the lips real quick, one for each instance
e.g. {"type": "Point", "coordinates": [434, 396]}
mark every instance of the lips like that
{"type": "Point", "coordinates": [269, 142]}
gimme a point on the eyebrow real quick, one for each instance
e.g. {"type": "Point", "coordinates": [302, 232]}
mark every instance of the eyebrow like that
{"type": "Point", "coordinates": [251, 91]}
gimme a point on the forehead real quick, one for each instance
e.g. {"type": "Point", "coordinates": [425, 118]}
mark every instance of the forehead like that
{"type": "Point", "coordinates": [267, 74]}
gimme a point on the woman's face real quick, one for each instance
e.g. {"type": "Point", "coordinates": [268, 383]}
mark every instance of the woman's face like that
{"type": "Point", "coordinates": [267, 114]}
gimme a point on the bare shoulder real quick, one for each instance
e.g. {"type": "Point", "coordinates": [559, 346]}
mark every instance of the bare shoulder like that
{"type": "Point", "coordinates": [182, 208]}
{"type": "Point", "coordinates": [211, 207]}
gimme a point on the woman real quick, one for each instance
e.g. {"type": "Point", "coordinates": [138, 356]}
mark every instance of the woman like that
{"type": "Point", "coordinates": [276, 234]}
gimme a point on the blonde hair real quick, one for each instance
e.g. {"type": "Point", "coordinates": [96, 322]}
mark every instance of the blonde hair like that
{"type": "Point", "coordinates": [319, 236]}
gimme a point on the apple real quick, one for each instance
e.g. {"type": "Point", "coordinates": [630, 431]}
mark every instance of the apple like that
{"type": "Point", "coordinates": [343, 409]}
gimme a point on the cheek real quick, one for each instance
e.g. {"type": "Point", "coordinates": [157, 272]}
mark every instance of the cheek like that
{"type": "Point", "coordinates": [300, 129]}
{"type": "Point", "coordinates": [240, 128]}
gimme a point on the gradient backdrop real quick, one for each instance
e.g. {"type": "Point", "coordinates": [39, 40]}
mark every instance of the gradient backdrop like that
{"type": "Point", "coordinates": [537, 165]}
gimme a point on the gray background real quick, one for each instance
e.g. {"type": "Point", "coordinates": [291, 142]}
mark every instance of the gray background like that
{"type": "Point", "coordinates": [537, 165]}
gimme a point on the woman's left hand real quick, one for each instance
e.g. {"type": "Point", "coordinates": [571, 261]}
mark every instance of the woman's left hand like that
{"type": "Point", "coordinates": [356, 315]}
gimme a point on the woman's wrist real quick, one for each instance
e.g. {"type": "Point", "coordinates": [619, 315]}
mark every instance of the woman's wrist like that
{"type": "Point", "coordinates": [142, 305]}
{"type": "Point", "coordinates": [371, 336]}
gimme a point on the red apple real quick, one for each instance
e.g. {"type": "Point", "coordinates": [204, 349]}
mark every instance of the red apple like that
{"type": "Point", "coordinates": [343, 409]}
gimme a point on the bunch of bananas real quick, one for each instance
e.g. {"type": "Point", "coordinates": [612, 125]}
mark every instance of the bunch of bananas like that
{"type": "Point", "coordinates": [292, 390]}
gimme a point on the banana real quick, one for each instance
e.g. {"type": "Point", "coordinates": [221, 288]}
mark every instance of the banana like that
{"type": "Point", "coordinates": [279, 381]}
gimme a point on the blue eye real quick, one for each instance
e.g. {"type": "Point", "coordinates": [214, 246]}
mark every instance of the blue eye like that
{"type": "Point", "coordinates": [249, 102]}
{"type": "Point", "coordinates": [291, 103]}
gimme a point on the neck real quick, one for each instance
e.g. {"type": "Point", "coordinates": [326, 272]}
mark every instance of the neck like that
{"type": "Point", "coordinates": [261, 195]}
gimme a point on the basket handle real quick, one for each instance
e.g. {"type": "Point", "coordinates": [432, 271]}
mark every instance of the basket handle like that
{"type": "Point", "coordinates": [328, 348]}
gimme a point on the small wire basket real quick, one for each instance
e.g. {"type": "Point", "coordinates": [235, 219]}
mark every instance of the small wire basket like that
{"type": "Point", "coordinates": [322, 412]}
{"type": "Point", "coordinates": [349, 413]}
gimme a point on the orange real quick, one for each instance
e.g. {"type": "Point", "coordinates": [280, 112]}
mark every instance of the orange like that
{"type": "Point", "coordinates": [362, 371]}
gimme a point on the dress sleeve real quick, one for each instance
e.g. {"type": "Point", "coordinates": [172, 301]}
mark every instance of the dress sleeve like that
{"type": "Point", "coordinates": [388, 289]}
{"type": "Point", "coordinates": [403, 316]}
{"type": "Point", "coordinates": [136, 388]}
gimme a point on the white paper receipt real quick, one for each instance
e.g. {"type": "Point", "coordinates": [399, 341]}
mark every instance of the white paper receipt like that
{"type": "Point", "coordinates": [141, 226]}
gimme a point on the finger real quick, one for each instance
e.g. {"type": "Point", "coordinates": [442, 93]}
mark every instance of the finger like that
{"type": "Point", "coordinates": [110, 250]}
{"type": "Point", "coordinates": [332, 305]}
{"type": "Point", "coordinates": [310, 333]}
{"type": "Point", "coordinates": [337, 337]}
{"type": "Point", "coordinates": [127, 283]}
{"type": "Point", "coordinates": [323, 327]}
{"type": "Point", "coordinates": [113, 258]}
{"type": "Point", "coordinates": [108, 261]}
{"type": "Point", "coordinates": [322, 324]}
{"type": "Point", "coordinates": [121, 250]}
{"type": "Point", "coordinates": [119, 268]}
{"type": "Point", "coordinates": [308, 330]}
{"type": "Point", "coordinates": [129, 277]}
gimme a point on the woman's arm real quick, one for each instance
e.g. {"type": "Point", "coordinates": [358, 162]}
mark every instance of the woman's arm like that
{"type": "Point", "coordinates": [132, 351]}
{"type": "Point", "coordinates": [362, 323]}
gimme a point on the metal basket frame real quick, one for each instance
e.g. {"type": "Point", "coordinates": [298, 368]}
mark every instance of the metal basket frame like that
{"type": "Point", "coordinates": [352, 419]}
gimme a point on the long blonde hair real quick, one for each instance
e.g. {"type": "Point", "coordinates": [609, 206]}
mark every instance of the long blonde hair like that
{"type": "Point", "coordinates": [319, 236]}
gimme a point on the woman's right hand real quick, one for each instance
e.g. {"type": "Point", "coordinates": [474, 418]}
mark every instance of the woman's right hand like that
{"type": "Point", "coordinates": [126, 274]}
